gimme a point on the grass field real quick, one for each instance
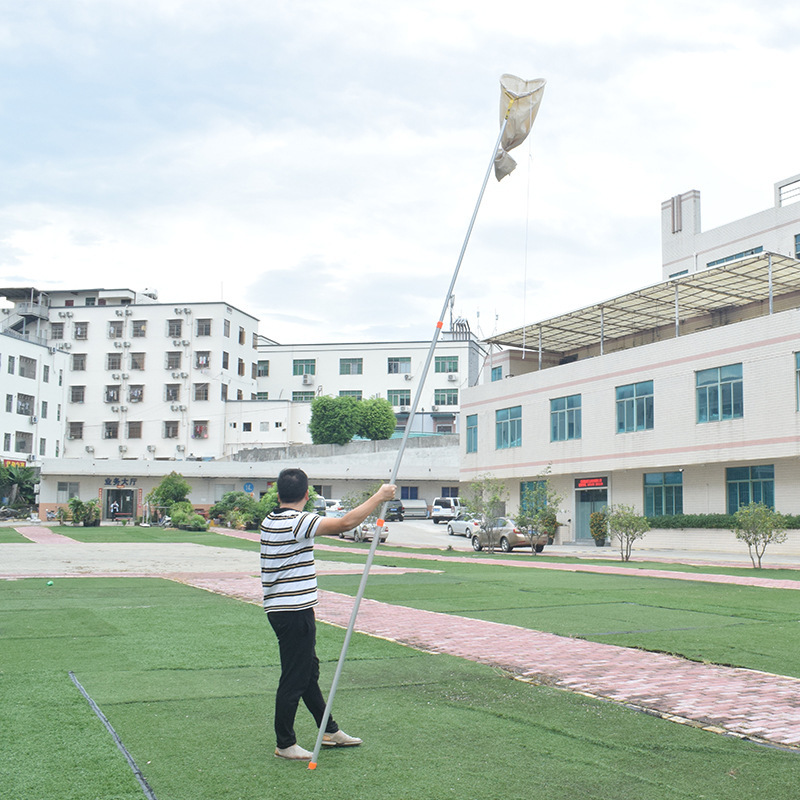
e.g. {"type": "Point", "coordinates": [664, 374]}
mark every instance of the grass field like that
{"type": "Point", "coordinates": [187, 679]}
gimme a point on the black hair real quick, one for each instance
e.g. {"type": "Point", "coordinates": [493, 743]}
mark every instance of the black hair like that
{"type": "Point", "coordinates": [292, 485]}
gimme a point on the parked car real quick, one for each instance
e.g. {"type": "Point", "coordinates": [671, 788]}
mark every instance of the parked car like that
{"type": "Point", "coordinates": [365, 532]}
{"type": "Point", "coordinates": [507, 536]}
{"type": "Point", "coordinates": [395, 511]}
{"type": "Point", "coordinates": [415, 509]}
{"type": "Point", "coordinates": [333, 505]}
{"type": "Point", "coordinates": [464, 525]}
{"type": "Point", "coordinates": [445, 508]}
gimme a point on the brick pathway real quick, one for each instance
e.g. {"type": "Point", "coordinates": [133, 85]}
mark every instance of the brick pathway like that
{"type": "Point", "coordinates": [741, 702]}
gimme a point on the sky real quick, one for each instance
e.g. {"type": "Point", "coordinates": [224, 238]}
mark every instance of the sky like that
{"type": "Point", "coordinates": [316, 164]}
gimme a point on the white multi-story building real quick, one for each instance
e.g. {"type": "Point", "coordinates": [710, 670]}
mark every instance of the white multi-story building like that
{"type": "Point", "coordinates": [683, 397]}
{"type": "Point", "coordinates": [687, 249]}
{"type": "Point", "coordinates": [143, 379]}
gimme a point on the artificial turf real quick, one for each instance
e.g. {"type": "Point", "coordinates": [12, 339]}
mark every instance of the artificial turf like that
{"type": "Point", "coordinates": [187, 679]}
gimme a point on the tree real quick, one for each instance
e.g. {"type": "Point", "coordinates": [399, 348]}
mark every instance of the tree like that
{"type": "Point", "coordinates": [538, 510]}
{"type": "Point", "coordinates": [376, 419]}
{"type": "Point", "coordinates": [269, 502]}
{"type": "Point", "coordinates": [355, 499]}
{"type": "Point", "coordinates": [334, 420]}
{"type": "Point", "coordinates": [757, 525]}
{"type": "Point", "coordinates": [239, 509]}
{"type": "Point", "coordinates": [172, 489]}
{"type": "Point", "coordinates": [486, 500]}
{"type": "Point", "coordinates": [18, 484]}
{"type": "Point", "coordinates": [626, 526]}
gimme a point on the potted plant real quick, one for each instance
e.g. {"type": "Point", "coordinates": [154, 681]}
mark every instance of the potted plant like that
{"type": "Point", "coordinates": [91, 513]}
{"type": "Point", "coordinates": [76, 510]}
{"type": "Point", "coordinates": [598, 527]}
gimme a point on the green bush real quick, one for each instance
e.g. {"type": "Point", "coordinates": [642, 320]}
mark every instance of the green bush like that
{"type": "Point", "coordinates": [713, 521]}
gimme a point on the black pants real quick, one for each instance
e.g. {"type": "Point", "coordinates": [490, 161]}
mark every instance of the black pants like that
{"type": "Point", "coordinates": [297, 637]}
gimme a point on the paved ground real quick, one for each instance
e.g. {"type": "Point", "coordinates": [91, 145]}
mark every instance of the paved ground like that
{"type": "Point", "coordinates": [740, 702]}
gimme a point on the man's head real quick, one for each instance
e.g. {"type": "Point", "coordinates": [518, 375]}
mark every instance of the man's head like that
{"type": "Point", "coordinates": [292, 485]}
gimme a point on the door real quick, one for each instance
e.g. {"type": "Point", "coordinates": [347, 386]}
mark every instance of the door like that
{"type": "Point", "coordinates": [586, 502]}
{"type": "Point", "coordinates": [124, 498]}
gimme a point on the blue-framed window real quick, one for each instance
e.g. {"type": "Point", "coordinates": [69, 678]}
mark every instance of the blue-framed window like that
{"type": "Point", "coordinates": [408, 492]}
{"type": "Point", "coordinates": [565, 418]}
{"type": "Point", "coordinates": [663, 493]}
{"type": "Point", "coordinates": [508, 427]}
{"type": "Point", "coordinates": [526, 495]}
{"type": "Point", "coordinates": [750, 485]}
{"type": "Point", "coordinates": [449, 491]}
{"type": "Point", "coordinates": [797, 378]}
{"type": "Point", "coordinates": [720, 393]}
{"type": "Point", "coordinates": [635, 407]}
{"type": "Point", "coordinates": [472, 433]}
{"type": "Point", "coordinates": [497, 373]}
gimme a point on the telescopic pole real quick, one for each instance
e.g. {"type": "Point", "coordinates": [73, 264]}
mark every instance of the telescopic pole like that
{"type": "Point", "coordinates": [376, 538]}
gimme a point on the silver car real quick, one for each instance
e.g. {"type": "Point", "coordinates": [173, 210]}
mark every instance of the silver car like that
{"type": "Point", "coordinates": [507, 536]}
{"type": "Point", "coordinates": [463, 525]}
{"type": "Point", "coordinates": [365, 532]}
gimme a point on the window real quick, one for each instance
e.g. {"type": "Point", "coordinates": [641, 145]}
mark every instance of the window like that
{"type": "Point", "coordinates": [90, 301]}
{"type": "Point", "coordinates": [240, 367]}
{"type": "Point", "coordinates": [445, 397]}
{"type": "Point", "coordinates": [112, 394]}
{"type": "Point", "coordinates": [247, 426]}
{"type": "Point", "coordinates": [111, 430]}
{"type": "Point", "coordinates": [173, 360]}
{"type": "Point", "coordinates": [736, 256]}
{"type": "Point", "coordinates": [409, 492]}
{"type": "Point", "coordinates": [720, 393]}
{"type": "Point", "coordinates": [201, 391]}
{"type": "Point", "coordinates": [77, 394]}
{"type": "Point", "coordinates": [354, 393]}
{"type": "Point", "coordinates": [797, 378]}
{"type": "Point", "coordinates": [565, 418]}
{"type": "Point", "coordinates": [241, 336]}
{"type": "Point", "coordinates": [172, 392]}
{"type": "Point", "coordinates": [58, 414]}
{"type": "Point", "coordinates": [26, 404]}
{"type": "Point", "coordinates": [204, 327]}
{"type": "Point", "coordinates": [304, 366]}
{"type": "Point", "coordinates": [23, 442]}
{"type": "Point", "coordinates": [7, 442]}
{"type": "Point", "coordinates": [302, 397]}
{"type": "Point", "coordinates": [225, 359]}
{"type": "Point", "coordinates": [75, 430]}
{"type": "Point", "coordinates": [351, 366]}
{"type": "Point", "coordinates": [226, 328]}
{"type": "Point", "coordinates": [56, 330]}
{"type": "Point", "coordinates": [446, 364]}
{"type": "Point", "coordinates": [497, 373]}
{"type": "Point", "coordinates": [750, 485]}
{"type": "Point", "coordinates": [202, 359]}
{"type": "Point", "coordinates": [134, 430]}
{"type": "Point", "coordinates": [399, 366]}
{"type": "Point", "coordinates": [174, 328]}
{"type": "Point", "coordinates": [532, 495]}
{"type": "Point", "coordinates": [663, 493]}
{"type": "Point", "coordinates": [81, 330]}
{"type": "Point", "coordinates": [65, 491]}
{"type": "Point", "coordinates": [472, 433]}
{"type": "Point", "coordinates": [399, 397]}
{"type": "Point", "coordinates": [114, 329]}
{"type": "Point", "coordinates": [635, 407]}
{"type": "Point", "coordinates": [136, 393]}
{"type": "Point", "coordinates": [43, 413]}
{"type": "Point", "coordinates": [797, 245]}
{"type": "Point", "coordinates": [139, 328]}
{"type": "Point", "coordinates": [200, 429]}
{"type": "Point", "coordinates": [171, 429]}
{"type": "Point", "coordinates": [449, 491]}
{"type": "Point", "coordinates": [508, 427]}
{"type": "Point", "coordinates": [9, 403]}
{"type": "Point", "coordinates": [262, 396]}
{"type": "Point", "coordinates": [45, 373]}
{"type": "Point", "coordinates": [27, 367]}
{"type": "Point", "coordinates": [137, 360]}
{"type": "Point", "coordinates": [263, 369]}
{"type": "Point", "coordinates": [113, 360]}
{"type": "Point", "coordinates": [223, 391]}
{"type": "Point", "coordinates": [12, 363]}
{"type": "Point", "coordinates": [78, 362]}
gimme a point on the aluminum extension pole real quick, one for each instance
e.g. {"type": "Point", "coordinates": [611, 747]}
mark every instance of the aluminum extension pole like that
{"type": "Point", "coordinates": [376, 538]}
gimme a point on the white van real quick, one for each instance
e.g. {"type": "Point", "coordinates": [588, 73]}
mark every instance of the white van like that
{"type": "Point", "coordinates": [445, 508]}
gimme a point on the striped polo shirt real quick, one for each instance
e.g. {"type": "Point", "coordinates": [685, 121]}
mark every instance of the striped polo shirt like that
{"type": "Point", "coordinates": [288, 575]}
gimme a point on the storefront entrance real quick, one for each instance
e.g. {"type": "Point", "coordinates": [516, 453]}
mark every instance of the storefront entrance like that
{"type": "Point", "coordinates": [124, 499]}
{"type": "Point", "coordinates": [591, 494]}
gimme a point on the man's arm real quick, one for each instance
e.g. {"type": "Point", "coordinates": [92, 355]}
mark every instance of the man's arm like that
{"type": "Point", "coordinates": [333, 526]}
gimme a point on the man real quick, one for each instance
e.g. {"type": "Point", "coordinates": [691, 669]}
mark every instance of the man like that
{"type": "Point", "coordinates": [289, 581]}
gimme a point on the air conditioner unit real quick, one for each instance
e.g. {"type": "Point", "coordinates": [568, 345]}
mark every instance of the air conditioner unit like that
{"type": "Point", "coordinates": [185, 342]}
{"type": "Point", "coordinates": [115, 375]}
{"type": "Point", "coordinates": [308, 380]}
{"type": "Point", "coordinates": [126, 344]}
{"type": "Point", "coordinates": [70, 436]}
{"type": "Point", "coordinates": [125, 376]}
{"type": "Point", "coordinates": [184, 374]}
{"type": "Point", "coordinates": [115, 408]}
{"type": "Point", "coordinates": [408, 376]}
{"type": "Point", "coordinates": [67, 346]}
{"type": "Point", "coordinates": [177, 311]}
{"type": "Point", "coordinates": [176, 374]}
{"type": "Point", "coordinates": [118, 312]}
{"type": "Point", "coordinates": [88, 448]}
{"type": "Point", "coordinates": [181, 408]}
{"type": "Point", "coordinates": [118, 345]}
{"type": "Point", "coordinates": [187, 310]}
{"type": "Point", "coordinates": [31, 456]}
{"type": "Point", "coordinates": [176, 342]}
{"type": "Point", "coordinates": [452, 376]}
{"type": "Point", "coordinates": [403, 409]}
{"type": "Point", "coordinates": [128, 312]}
{"type": "Point", "coordinates": [151, 448]}
{"type": "Point", "coordinates": [123, 448]}
{"type": "Point", "coordinates": [52, 350]}
{"type": "Point", "coordinates": [173, 408]}
{"type": "Point", "coordinates": [123, 408]}
{"type": "Point", "coordinates": [434, 408]}
{"type": "Point", "coordinates": [62, 314]}
{"type": "Point", "coordinates": [33, 419]}
{"type": "Point", "coordinates": [180, 448]}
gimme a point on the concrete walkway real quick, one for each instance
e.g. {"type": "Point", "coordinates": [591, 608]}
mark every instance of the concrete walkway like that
{"type": "Point", "coordinates": [740, 702]}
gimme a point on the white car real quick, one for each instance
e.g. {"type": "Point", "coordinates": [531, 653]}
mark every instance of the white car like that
{"type": "Point", "coordinates": [365, 532]}
{"type": "Point", "coordinates": [463, 525]}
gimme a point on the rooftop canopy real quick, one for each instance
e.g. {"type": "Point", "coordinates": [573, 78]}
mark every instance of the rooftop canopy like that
{"type": "Point", "coordinates": [750, 283]}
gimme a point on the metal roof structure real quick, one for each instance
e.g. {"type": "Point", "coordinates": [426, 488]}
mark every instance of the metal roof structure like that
{"type": "Point", "coordinates": [737, 284]}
